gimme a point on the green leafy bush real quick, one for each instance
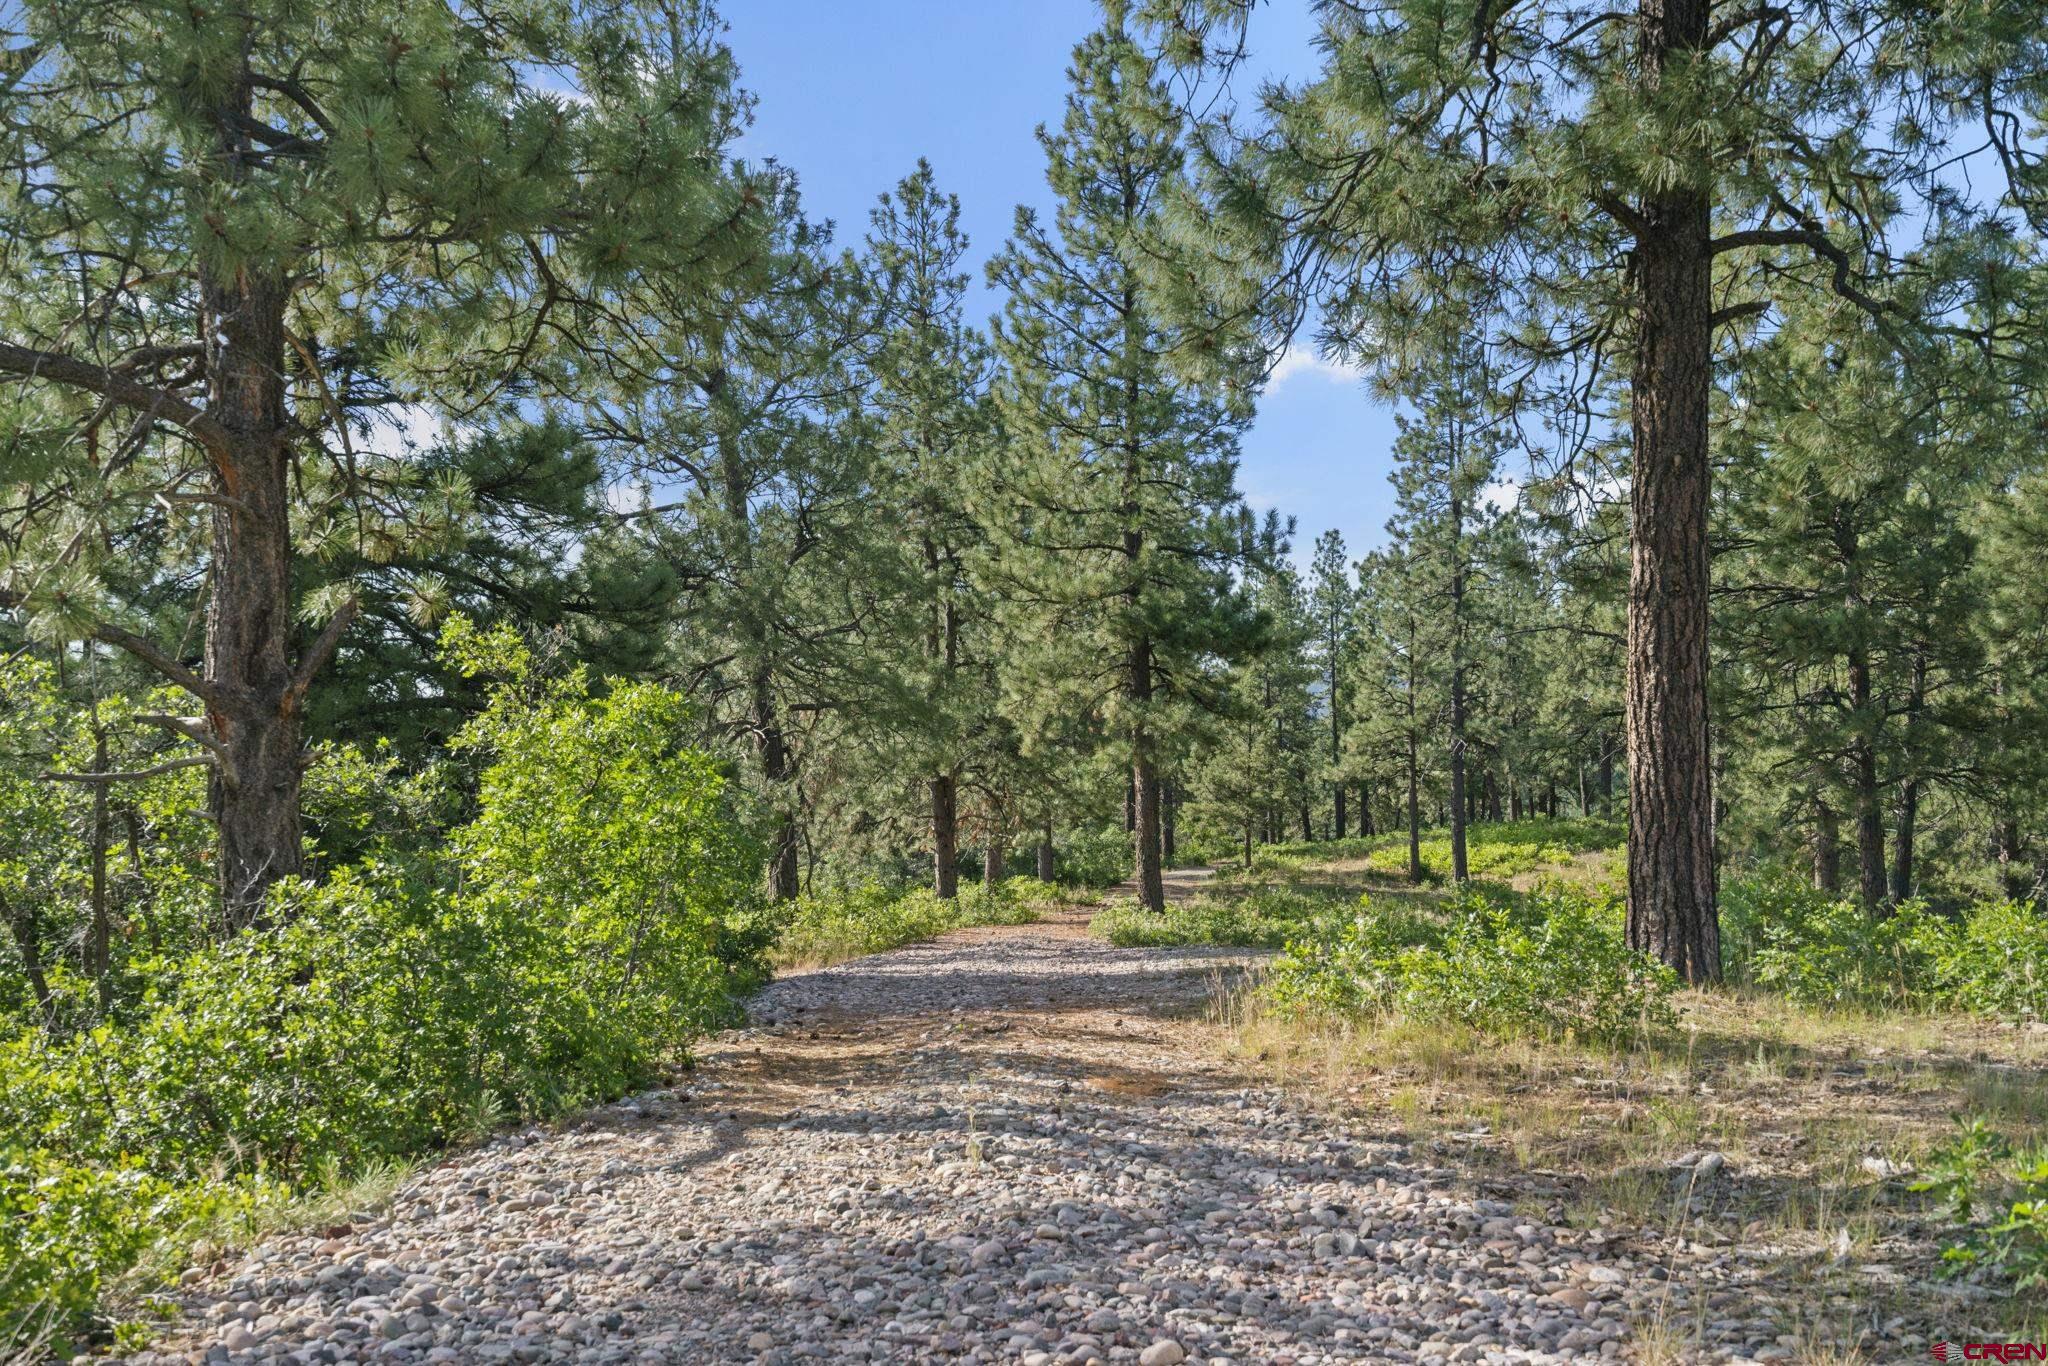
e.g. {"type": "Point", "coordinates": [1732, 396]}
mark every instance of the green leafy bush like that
{"type": "Point", "coordinates": [1549, 963]}
{"type": "Point", "coordinates": [1990, 958]}
{"type": "Point", "coordinates": [832, 926]}
{"type": "Point", "coordinates": [1500, 850]}
{"type": "Point", "coordinates": [66, 1229]}
{"type": "Point", "coordinates": [1998, 1193]}
{"type": "Point", "coordinates": [574, 936]}
{"type": "Point", "coordinates": [1095, 858]}
{"type": "Point", "coordinates": [1265, 917]}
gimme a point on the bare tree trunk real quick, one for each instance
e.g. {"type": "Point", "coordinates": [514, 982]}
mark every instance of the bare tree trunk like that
{"type": "Point", "coordinates": [1671, 910]}
{"type": "Point", "coordinates": [1145, 786]}
{"type": "Point", "coordinates": [1046, 867]}
{"type": "Point", "coordinates": [1827, 848]}
{"type": "Point", "coordinates": [995, 858]}
{"type": "Point", "coordinates": [1909, 790]}
{"type": "Point", "coordinates": [945, 793]}
{"type": "Point", "coordinates": [1902, 865]}
{"type": "Point", "coordinates": [2005, 850]}
{"type": "Point", "coordinates": [1414, 811]}
{"type": "Point", "coordinates": [100, 945]}
{"type": "Point", "coordinates": [1169, 803]}
{"type": "Point", "coordinates": [942, 646]}
{"type": "Point", "coordinates": [254, 713]}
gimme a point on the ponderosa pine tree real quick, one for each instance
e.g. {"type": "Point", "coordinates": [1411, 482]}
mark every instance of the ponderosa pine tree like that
{"type": "Point", "coordinates": [1114, 502]}
{"type": "Point", "coordinates": [1851, 586]}
{"type": "Point", "coordinates": [934, 425]}
{"type": "Point", "coordinates": [1391, 680]}
{"type": "Point", "coordinates": [230, 231]}
{"type": "Point", "coordinates": [1447, 457]}
{"type": "Point", "coordinates": [742, 415]}
{"type": "Point", "coordinates": [1627, 184]}
{"type": "Point", "coordinates": [1333, 601]}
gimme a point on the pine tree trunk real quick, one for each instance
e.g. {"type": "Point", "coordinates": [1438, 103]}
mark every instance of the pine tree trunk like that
{"type": "Point", "coordinates": [1460, 805]}
{"type": "Point", "coordinates": [1169, 803]}
{"type": "Point", "coordinates": [945, 794]}
{"type": "Point", "coordinates": [1902, 863]}
{"type": "Point", "coordinates": [1671, 912]}
{"type": "Point", "coordinates": [1909, 790]}
{"type": "Point", "coordinates": [784, 881]}
{"type": "Point", "coordinates": [2005, 851]}
{"type": "Point", "coordinates": [1414, 811]}
{"type": "Point", "coordinates": [942, 647]}
{"type": "Point", "coordinates": [1827, 848]}
{"type": "Point", "coordinates": [255, 714]}
{"type": "Point", "coordinates": [1046, 866]}
{"type": "Point", "coordinates": [100, 943]}
{"type": "Point", "coordinates": [1151, 880]}
{"type": "Point", "coordinates": [1340, 821]}
{"type": "Point", "coordinates": [1870, 879]}
{"type": "Point", "coordinates": [995, 858]}
{"type": "Point", "coordinates": [1365, 821]}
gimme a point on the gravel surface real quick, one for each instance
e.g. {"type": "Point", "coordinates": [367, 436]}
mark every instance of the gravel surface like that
{"type": "Point", "coordinates": [1011, 1144]}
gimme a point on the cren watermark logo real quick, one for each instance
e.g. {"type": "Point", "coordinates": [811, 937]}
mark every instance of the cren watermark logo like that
{"type": "Point", "coordinates": [1990, 1351]}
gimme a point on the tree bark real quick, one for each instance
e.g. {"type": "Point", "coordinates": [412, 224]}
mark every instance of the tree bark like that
{"type": "Point", "coordinates": [1671, 910]}
{"type": "Point", "coordinates": [1169, 804]}
{"type": "Point", "coordinates": [1046, 866]}
{"type": "Point", "coordinates": [1460, 814]}
{"type": "Point", "coordinates": [784, 882]}
{"type": "Point", "coordinates": [1909, 790]}
{"type": "Point", "coordinates": [1870, 879]}
{"type": "Point", "coordinates": [1827, 848]}
{"type": "Point", "coordinates": [942, 646]}
{"type": "Point", "coordinates": [1414, 811]}
{"type": "Point", "coordinates": [945, 795]}
{"type": "Point", "coordinates": [1902, 846]}
{"type": "Point", "coordinates": [254, 710]}
{"type": "Point", "coordinates": [995, 859]}
{"type": "Point", "coordinates": [1144, 785]}
{"type": "Point", "coordinates": [100, 945]}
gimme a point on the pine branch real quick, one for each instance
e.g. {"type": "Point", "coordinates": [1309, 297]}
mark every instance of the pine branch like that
{"type": "Point", "coordinates": [119, 388]}
{"type": "Point", "coordinates": [134, 775]}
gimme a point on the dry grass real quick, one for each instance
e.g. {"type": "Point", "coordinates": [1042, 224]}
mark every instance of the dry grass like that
{"type": "Point", "coordinates": [1821, 1116]}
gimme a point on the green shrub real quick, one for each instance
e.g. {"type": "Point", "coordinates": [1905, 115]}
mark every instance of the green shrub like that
{"type": "Point", "coordinates": [1095, 858]}
{"type": "Point", "coordinates": [848, 922]}
{"type": "Point", "coordinates": [67, 1229]}
{"type": "Point", "coordinates": [1498, 849]}
{"type": "Point", "coordinates": [1990, 958]}
{"type": "Point", "coordinates": [577, 934]}
{"type": "Point", "coordinates": [1993, 959]}
{"type": "Point", "coordinates": [1548, 963]}
{"type": "Point", "coordinates": [1265, 917]}
{"type": "Point", "coordinates": [1999, 1196]}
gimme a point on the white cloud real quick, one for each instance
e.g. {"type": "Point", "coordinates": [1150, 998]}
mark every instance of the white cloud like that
{"type": "Point", "coordinates": [1502, 494]}
{"type": "Point", "coordinates": [1302, 360]}
{"type": "Point", "coordinates": [405, 428]}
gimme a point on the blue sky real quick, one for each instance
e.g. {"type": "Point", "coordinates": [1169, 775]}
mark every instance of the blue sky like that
{"type": "Point", "coordinates": [852, 92]}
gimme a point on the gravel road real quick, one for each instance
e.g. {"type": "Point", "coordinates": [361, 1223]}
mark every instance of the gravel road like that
{"type": "Point", "coordinates": [1008, 1145]}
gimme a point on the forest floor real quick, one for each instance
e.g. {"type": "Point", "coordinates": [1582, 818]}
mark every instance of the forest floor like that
{"type": "Point", "coordinates": [1020, 1144]}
